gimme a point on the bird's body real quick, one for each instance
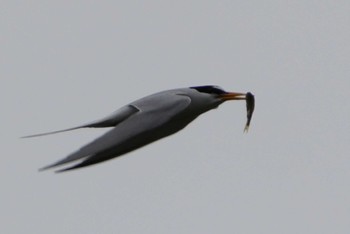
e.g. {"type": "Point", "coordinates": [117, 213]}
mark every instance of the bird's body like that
{"type": "Point", "coordinates": [146, 120]}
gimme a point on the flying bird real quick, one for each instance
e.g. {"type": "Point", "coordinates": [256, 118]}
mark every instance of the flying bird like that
{"type": "Point", "coordinates": [147, 120]}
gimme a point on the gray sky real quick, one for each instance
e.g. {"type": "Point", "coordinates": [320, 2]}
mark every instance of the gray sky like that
{"type": "Point", "coordinates": [64, 63]}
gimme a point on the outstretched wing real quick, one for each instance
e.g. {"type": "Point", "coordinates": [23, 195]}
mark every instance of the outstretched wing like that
{"type": "Point", "coordinates": [143, 127]}
{"type": "Point", "coordinates": [109, 121]}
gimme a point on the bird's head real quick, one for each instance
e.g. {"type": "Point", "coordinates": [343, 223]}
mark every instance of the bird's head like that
{"type": "Point", "coordinates": [218, 94]}
{"type": "Point", "coordinates": [211, 96]}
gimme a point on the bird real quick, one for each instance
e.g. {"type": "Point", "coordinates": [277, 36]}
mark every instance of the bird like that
{"type": "Point", "coordinates": [144, 121]}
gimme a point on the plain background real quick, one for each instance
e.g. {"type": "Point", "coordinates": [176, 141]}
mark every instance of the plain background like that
{"type": "Point", "coordinates": [64, 63]}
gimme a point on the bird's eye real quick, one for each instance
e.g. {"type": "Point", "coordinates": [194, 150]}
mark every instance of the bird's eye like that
{"type": "Point", "coordinates": [210, 89]}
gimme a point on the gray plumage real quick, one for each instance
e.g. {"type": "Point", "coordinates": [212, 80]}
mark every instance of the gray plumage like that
{"type": "Point", "coordinates": [144, 121]}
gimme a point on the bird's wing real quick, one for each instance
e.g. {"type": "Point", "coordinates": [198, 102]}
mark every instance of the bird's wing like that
{"type": "Point", "coordinates": [119, 140]}
{"type": "Point", "coordinates": [109, 121]}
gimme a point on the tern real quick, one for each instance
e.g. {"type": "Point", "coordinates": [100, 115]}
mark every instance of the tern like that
{"type": "Point", "coordinates": [147, 120]}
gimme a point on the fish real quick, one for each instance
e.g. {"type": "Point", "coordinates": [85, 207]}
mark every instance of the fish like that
{"type": "Point", "coordinates": [250, 103]}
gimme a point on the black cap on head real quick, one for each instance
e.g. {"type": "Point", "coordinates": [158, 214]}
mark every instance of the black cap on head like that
{"type": "Point", "coordinates": [211, 89]}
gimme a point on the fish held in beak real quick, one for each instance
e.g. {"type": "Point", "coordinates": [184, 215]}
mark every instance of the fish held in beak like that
{"type": "Point", "coordinates": [250, 103]}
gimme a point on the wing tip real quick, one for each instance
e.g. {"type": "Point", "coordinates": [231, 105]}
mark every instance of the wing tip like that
{"type": "Point", "coordinates": [64, 170]}
{"type": "Point", "coordinates": [45, 168]}
{"type": "Point", "coordinates": [57, 171]}
{"type": "Point", "coordinates": [61, 163]}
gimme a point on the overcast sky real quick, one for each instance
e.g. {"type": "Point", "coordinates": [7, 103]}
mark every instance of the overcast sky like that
{"type": "Point", "coordinates": [64, 63]}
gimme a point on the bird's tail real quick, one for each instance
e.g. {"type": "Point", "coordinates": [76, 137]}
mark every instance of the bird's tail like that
{"type": "Point", "coordinates": [49, 133]}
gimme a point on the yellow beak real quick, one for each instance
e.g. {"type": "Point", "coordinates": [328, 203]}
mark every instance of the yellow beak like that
{"type": "Point", "coordinates": [233, 96]}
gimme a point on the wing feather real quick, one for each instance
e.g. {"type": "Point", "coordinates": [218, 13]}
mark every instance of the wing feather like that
{"type": "Point", "coordinates": [109, 121]}
{"type": "Point", "coordinates": [132, 133]}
